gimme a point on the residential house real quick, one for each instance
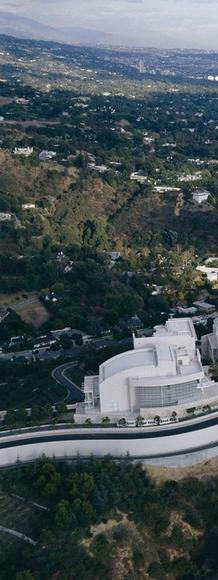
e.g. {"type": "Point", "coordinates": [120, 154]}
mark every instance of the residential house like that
{"type": "Point", "coordinates": [25, 151]}
{"type": "Point", "coordinates": [5, 217]}
{"type": "Point", "coordinates": [200, 195]}
{"type": "Point", "coordinates": [204, 307]}
{"type": "Point", "coordinates": [28, 206]}
{"type": "Point", "coordinates": [47, 155]}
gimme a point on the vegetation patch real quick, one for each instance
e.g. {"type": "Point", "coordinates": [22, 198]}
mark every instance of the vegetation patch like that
{"type": "Point", "coordinates": [107, 519]}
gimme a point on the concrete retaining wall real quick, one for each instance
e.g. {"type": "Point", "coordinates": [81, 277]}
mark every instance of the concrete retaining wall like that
{"type": "Point", "coordinates": [157, 449]}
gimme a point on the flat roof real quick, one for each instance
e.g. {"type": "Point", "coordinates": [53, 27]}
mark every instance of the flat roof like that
{"type": "Point", "coordinates": [193, 368]}
{"type": "Point", "coordinates": [204, 305]}
{"type": "Point", "coordinates": [176, 327]}
{"type": "Point", "coordinates": [164, 353]}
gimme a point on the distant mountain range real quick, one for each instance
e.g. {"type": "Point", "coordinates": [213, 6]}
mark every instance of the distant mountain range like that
{"type": "Point", "coordinates": [22, 27]}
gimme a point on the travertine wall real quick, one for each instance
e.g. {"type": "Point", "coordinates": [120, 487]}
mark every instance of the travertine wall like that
{"type": "Point", "coordinates": [118, 446]}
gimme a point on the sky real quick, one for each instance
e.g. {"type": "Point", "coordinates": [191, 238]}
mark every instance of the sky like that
{"type": "Point", "coordinates": [161, 23]}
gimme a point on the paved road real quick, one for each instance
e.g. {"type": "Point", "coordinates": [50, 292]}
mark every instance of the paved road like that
{"type": "Point", "coordinates": [74, 393]}
{"type": "Point", "coordinates": [96, 433]}
{"type": "Point", "coordinates": [118, 434]}
{"type": "Point", "coordinates": [43, 354]}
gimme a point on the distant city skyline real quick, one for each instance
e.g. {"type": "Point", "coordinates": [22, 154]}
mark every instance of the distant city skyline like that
{"type": "Point", "coordinates": [157, 23]}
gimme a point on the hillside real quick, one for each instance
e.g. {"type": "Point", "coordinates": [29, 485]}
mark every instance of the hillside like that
{"type": "Point", "coordinates": [115, 159]}
{"type": "Point", "coordinates": [67, 199]}
{"type": "Point", "coordinates": [22, 27]}
{"type": "Point", "coordinates": [103, 519]}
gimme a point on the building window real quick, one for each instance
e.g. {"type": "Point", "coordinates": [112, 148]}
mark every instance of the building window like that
{"type": "Point", "coordinates": [164, 396]}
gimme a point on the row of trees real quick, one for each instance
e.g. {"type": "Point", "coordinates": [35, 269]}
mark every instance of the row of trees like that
{"type": "Point", "coordinates": [34, 416]}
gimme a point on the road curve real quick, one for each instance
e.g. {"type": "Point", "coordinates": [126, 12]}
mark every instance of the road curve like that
{"type": "Point", "coordinates": [198, 436]}
{"type": "Point", "coordinates": [74, 393]}
{"type": "Point", "coordinates": [85, 434]}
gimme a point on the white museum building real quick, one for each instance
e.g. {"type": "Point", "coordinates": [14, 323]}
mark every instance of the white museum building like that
{"type": "Point", "coordinates": [163, 373]}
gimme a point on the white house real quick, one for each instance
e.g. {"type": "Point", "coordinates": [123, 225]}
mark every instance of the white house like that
{"type": "Point", "coordinates": [190, 177]}
{"type": "Point", "coordinates": [25, 151]}
{"type": "Point", "coordinates": [21, 101]}
{"type": "Point", "coordinates": [209, 269]}
{"type": "Point", "coordinates": [46, 155]}
{"type": "Point", "coordinates": [28, 206]}
{"type": "Point", "coordinates": [210, 273]}
{"type": "Point", "coordinates": [5, 217]}
{"type": "Point", "coordinates": [204, 307]}
{"type": "Point", "coordinates": [162, 373]}
{"type": "Point", "coordinates": [99, 168]}
{"type": "Point", "coordinates": [114, 255]}
{"type": "Point", "coordinates": [166, 188]}
{"type": "Point", "coordinates": [139, 177]}
{"type": "Point", "coordinates": [200, 195]}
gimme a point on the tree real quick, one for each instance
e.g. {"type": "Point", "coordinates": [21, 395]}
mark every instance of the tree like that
{"type": "Point", "coordinates": [48, 411]}
{"type": "Point", "coordinates": [122, 422]}
{"type": "Point", "coordinates": [191, 411]}
{"type": "Point", "coordinates": [103, 553]}
{"type": "Point", "coordinates": [157, 419]}
{"type": "Point", "coordinates": [61, 408]}
{"type": "Point", "coordinates": [48, 480]}
{"type": "Point", "coordinates": [62, 514]}
{"type": "Point", "coordinates": [214, 371]}
{"type": "Point", "coordinates": [88, 421]}
{"type": "Point", "coordinates": [37, 413]}
{"type": "Point", "coordinates": [184, 568]}
{"type": "Point", "coordinates": [25, 575]}
{"type": "Point", "coordinates": [155, 570]}
{"type": "Point", "coordinates": [139, 420]}
{"type": "Point", "coordinates": [66, 342]}
{"type": "Point", "coordinates": [191, 487]}
{"type": "Point", "coordinates": [106, 420]}
{"type": "Point", "coordinates": [206, 409]}
{"type": "Point", "coordinates": [177, 537]}
{"type": "Point", "coordinates": [10, 418]}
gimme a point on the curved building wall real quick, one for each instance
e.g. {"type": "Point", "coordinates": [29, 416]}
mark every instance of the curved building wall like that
{"type": "Point", "coordinates": [155, 446]}
{"type": "Point", "coordinates": [165, 396]}
{"type": "Point", "coordinates": [128, 391]}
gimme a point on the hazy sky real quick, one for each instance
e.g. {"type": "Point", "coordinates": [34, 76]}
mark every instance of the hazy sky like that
{"type": "Point", "coordinates": [184, 23]}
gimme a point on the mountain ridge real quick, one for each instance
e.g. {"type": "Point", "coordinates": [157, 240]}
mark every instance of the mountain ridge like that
{"type": "Point", "coordinates": [27, 28]}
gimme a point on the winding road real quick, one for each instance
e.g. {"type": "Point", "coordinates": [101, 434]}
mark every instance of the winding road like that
{"type": "Point", "coordinates": [74, 393]}
{"type": "Point", "coordinates": [100, 433]}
